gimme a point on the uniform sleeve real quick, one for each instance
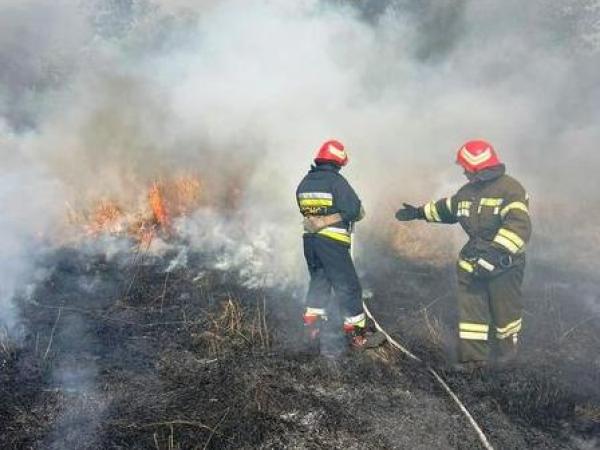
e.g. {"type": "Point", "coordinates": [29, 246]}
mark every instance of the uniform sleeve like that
{"type": "Point", "coordinates": [298, 199]}
{"type": "Point", "coordinates": [515, 230]}
{"type": "Point", "coordinates": [346, 201]}
{"type": "Point", "coordinates": [441, 211]}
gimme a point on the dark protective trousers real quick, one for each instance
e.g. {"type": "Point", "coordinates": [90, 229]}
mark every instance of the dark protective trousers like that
{"type": "Point", "coordinates": [332, 274]}
{"type": "Point", "coordinates": [489, 310]}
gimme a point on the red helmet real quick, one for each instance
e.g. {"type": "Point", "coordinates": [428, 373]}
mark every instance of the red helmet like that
{"type": "Point", "coordinates": [475, 156]}
{"type": "Point", "coordinates": [332, 152]}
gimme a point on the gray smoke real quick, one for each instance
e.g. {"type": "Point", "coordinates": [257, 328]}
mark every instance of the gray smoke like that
{"type": "Point", "coordinates": [26, 222]}
{"type": "Point", "coordinates": [99, 99]}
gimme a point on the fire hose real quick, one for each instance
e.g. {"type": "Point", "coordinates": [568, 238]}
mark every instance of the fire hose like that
{"type": "Point", "coordinates": [438, 378]}
{"type": "Point", "coordinates": [480, 434]}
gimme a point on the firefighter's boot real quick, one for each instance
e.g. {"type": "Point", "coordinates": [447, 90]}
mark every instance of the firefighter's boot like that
{"type": "Point", "coordinates": [312, 333]}
{"type": "Point", "coordinates": [507, 352]}
{"type": "Point", "coordinates": [363, 338]}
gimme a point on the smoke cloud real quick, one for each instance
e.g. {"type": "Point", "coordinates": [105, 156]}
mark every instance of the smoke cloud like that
{"type": "Point", "coordinates": [99, 100]}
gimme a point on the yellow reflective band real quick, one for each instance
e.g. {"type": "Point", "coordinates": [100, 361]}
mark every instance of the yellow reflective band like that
{"type": "Point", "coordinates": [507, 244]}
{"type": "Point", "coordinates": [434, 211]}
{"type": "Point", "coordinates": [509, 333]}
{"type": "Point", "coordinates": [449, 204]}
{"type": "Point", "coordinates": [466, 326]}
{"type": "Point", "coordinates": [512, 236]}
{"type": "Point", "coordinates": [491, 201]}
{"type": "Point", "coordinates": [316, 202]}
{"type": "Point", "coordinates": [431, 212]}
{"type": "Point", "coordinates": [465, 265]}
{"type": "Point", "coordinates": [520, 206]}
{"type": "Point", "coordinates": [473, 336]}
{"type": "Point", "coordinates": [509, 326]}
{"type": "Point", "coordinates": [427, 210]}
{"type": "Point", "coordinates": [463, 208]}
{"type": "Point", "coordinates": [336, 234]}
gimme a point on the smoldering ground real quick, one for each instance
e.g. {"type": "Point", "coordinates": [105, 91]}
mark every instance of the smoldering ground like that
{"type": "Point", "coordinates": [99, 99]}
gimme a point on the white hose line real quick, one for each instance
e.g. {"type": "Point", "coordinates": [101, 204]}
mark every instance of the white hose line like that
{"type": "Point", "coordinates": [439, 379]}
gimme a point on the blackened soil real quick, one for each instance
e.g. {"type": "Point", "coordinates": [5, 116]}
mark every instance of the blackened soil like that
{"type": "Point", "coordinates": [124, 354]}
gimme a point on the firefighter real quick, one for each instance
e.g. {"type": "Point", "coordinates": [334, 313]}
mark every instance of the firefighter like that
{"type": "Point", "coordinates": [330, 208]}
{"type": "Point", "coordinates": [493, 209]}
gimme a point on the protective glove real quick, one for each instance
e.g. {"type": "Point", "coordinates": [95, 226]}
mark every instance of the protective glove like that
{"type": "Point", "coordinates": [409, 212]}
{"type": "Point", "coordinates": [314, 224]}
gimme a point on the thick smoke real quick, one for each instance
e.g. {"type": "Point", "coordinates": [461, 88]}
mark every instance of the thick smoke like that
{"type": "Point", "coordinates": [98, 100]}
{"type": "Point", "coordinates": [25, 223]}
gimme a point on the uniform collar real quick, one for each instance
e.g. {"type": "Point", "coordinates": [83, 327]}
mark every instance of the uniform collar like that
{"type": "Point", "coordinates": [325, 168]}
{"type": "Point", "coordinates": [487, 174]}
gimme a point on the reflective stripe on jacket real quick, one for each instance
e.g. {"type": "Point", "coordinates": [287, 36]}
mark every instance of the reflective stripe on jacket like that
{"type": "Point", "coordinates": [323, 191]}
{"type": "Point", "coordinates": [493, 212]}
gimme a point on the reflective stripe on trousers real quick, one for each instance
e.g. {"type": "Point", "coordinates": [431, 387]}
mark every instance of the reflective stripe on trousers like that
{"type": "Point", "coordinates": [473, 331]}
{"type": "Point", "coordinates": [360, 320]}
{"type": "Point", "coordinates": [509, 330]}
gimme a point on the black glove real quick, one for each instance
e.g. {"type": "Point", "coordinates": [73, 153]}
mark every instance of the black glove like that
{"type": "Point", "coordinates": [492, 262]}
{"type": "Point", "coordinates": [409, 212]}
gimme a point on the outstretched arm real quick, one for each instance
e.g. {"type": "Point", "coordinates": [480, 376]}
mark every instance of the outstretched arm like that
{"type": "Point", "coordinates": [441, 211]}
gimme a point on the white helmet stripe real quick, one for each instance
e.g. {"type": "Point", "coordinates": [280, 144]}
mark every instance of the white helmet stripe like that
{"type": "Point", "coordinates": [337, 152]}
{"type": "Point", "coordinates": [476, 160]}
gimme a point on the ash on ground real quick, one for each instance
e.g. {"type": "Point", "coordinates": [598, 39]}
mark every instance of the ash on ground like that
{"type": "Point", "coordinates": [136, 352]}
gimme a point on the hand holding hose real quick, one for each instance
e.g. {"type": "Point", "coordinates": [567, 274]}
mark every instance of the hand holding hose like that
{"type": "Point", "coordinates": [314, 224]}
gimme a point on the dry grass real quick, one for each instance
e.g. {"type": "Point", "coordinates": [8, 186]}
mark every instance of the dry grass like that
{"type": "Point", "coordinates": [248, 326]}
{"type": "Point", "coordinates": [260, 329]}
{"type": "Point", "coordinates": [422, 243]}
{"type": "Point", "coordinates": [434, 327]}
{"type": "Point", "coordinates": [6, 346]}
{"type": "Point", "coordinates": [232, 317]}
{"type": "Point", "coordinates": [591, 412]}
{"type": "Point", "coordinates": [168, 442]}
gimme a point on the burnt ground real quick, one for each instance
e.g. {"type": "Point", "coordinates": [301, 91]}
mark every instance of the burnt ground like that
{"type": "Point", "coordinates": [122, 353]}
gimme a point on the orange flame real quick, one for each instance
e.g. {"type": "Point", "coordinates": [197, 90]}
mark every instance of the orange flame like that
{"type": "Point", "coordinates": [166, 201]}
{"type": "Point", "coordinates": [185, 195]}
{"type": "Point", "coordinates": [107, 216]}
{"type": "Point", "coordinates": [158, 207]}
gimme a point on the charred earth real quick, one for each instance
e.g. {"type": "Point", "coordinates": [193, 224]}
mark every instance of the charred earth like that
{"type": "Point", "coordinates": [136, 351]}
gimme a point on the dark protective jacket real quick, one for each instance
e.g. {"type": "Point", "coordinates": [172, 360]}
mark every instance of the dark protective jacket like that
{"type": "Point", "coordinates": [493, 209]}
{"type": "Point", "coordinates": [324, 191]}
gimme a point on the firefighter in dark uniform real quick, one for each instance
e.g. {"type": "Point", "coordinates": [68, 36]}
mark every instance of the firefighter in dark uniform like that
{"type": "Point", "coordinates": [330, 208]}
{"type": "Point", "coordinates": [493, 209]}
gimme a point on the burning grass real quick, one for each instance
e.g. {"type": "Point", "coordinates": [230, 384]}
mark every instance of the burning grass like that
{"type": "Point", "coordinates": [165, 201]}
